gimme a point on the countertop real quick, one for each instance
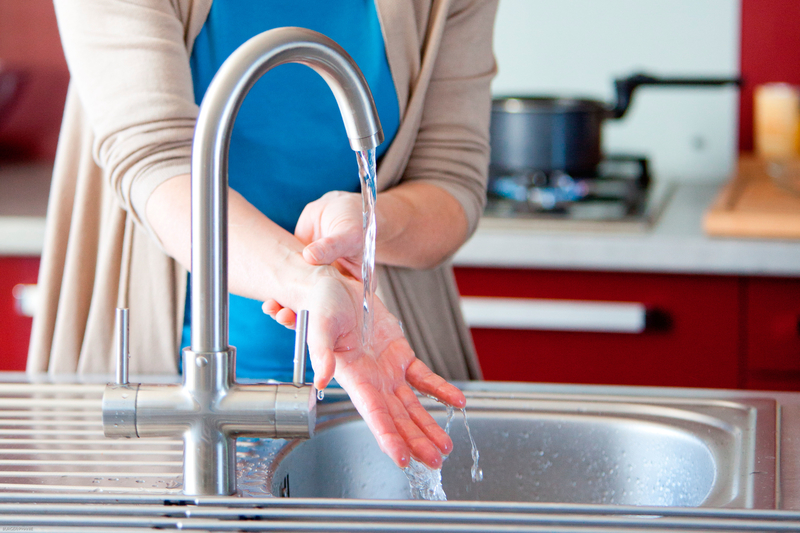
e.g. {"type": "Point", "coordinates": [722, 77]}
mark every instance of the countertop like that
{"type": "Point", "coordinates": [675, 243]}
{"type": "Point", "coordinates": [24, 188]}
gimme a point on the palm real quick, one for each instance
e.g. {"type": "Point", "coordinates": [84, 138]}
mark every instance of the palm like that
{"type": "Point", "coordinates": [379, 381]}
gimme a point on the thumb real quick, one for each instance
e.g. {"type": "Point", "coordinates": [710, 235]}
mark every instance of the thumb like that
{"type": "Point", "coordinates": [327, 250]}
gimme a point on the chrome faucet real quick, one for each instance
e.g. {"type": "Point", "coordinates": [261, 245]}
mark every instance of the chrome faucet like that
{"type": "Point", "coordinates": [209, 410]}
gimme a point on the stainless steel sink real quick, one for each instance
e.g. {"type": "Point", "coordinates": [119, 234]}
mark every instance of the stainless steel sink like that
{"type": "Point", "coordinates": [555, 456]}
{"type": "Point", "coordinates": [559, 448]}
{"type": "Point", "coordinates": [535, 447]}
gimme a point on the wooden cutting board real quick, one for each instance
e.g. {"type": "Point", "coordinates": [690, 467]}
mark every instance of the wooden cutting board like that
{"type": "Point", "coordinates": [752, 205]}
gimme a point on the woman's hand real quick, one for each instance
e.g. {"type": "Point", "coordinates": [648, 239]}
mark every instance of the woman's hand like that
{"type": "Point", "coordinates": [379, 381]}
{"type": "Point", "coordinates": [331, 229]}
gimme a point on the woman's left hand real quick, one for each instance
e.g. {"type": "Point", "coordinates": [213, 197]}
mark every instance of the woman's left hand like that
{"type": "Point", "coordinates": [331, 229]}
{"type": "Point", "coordinates": [378, 378]}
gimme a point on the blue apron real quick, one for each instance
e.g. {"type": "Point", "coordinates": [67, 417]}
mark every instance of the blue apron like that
{"type": "Point", "coordinates": [288, 145]}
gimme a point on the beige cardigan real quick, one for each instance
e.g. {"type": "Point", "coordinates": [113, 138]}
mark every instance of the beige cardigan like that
{"type": "Point", "coordinates": [128, 126]}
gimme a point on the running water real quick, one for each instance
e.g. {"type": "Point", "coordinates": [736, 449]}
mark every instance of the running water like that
{"type": "Point", "coordinates": [477, 472]}
{"type": "Point", "coordinates": [425, 482]}
{"type": "Point", "coordinates": [367, 176]}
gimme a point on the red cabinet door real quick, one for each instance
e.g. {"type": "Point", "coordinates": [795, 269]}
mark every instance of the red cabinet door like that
{"type": "Point", "coordinates": [16, 327]}
{"type": "Point", "coordinates": [695, 343]}
{"type": "Point", "coordinates": [773, 333]}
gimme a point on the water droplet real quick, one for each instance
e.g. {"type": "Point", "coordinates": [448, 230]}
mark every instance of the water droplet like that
{"type": "Point", "coordinates": [320, 395]}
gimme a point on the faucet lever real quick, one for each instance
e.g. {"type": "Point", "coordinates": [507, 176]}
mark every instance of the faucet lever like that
{"type": "Point", "coordinates": [301, 334]}
{"type": "Point", "coordinates": [122, 327]}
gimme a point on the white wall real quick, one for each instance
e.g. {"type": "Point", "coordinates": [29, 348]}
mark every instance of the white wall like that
{"type": "Point", "coordinates": [578, 47]}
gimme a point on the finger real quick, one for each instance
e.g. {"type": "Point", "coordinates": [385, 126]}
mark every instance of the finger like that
{"type": "Point", "coordinates": [424, 380]}
{"type": "Point", "coordinates": [422, 448]}
{"type": "Point", "coordinates": [304, 229]}
{"type": "Point", "coordinates": [319, 252]}
{"type": "Point", "coordinates": [286, 317]}
{"type": "Point", "coordinates": [320, 348]}
{"type": "Point", "coordinates": [349, 268]}
{"type": "Point", "coordinates": [271, 307]}
{"type": "Point", "coordinates": [328, 249]}
{"type": "Point", "coordinates": [424, 420]}
{"type": "Point", "coordinates": [370, 403]}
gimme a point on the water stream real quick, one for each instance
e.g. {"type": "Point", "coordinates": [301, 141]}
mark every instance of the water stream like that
{"type": "Point", "coordinates": [425, 482]}
{"type": "Point", "coordinates": [367, 176]}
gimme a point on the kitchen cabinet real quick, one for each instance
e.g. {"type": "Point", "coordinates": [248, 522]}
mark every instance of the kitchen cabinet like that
{"type": "Point", "coordinates": [17, 275]}
{"type": "Point", "coordinates": [690, 338]}
{"type": "Point", "coordinates": [714, 331]}
{"type": "Point", "coordinates": [772, 335]}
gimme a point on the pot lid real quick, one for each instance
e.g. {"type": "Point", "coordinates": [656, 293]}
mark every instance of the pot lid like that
{"type": "Point", "coordinates": [547, 104]}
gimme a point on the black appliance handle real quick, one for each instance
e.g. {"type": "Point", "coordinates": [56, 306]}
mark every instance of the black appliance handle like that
{"type": "Point", "coordinates": [625, 87]}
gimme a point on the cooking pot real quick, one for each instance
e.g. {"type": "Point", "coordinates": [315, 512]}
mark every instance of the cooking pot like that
{"type": "Point", "coordinates": [552, 133]}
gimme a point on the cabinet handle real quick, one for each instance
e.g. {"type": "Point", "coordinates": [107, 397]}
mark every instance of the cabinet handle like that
{"type": "Point", "coordinates": [26, 298]}
{"type": "Point", "coordinates": [558, 315]}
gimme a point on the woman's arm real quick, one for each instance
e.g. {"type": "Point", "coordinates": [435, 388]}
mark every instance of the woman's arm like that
{"type": "Point", "coordinates": [129, 63]}
{"type": "Point", "coordinates": [265, 262]}
{"type": "Point", "coordinates": [434, 209]}
{"type": "Point", "coordinates": [419, 226]}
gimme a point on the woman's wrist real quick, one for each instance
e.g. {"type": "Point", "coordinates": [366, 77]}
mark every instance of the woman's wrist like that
{"type": "Point", "coordinates": [419, 225]}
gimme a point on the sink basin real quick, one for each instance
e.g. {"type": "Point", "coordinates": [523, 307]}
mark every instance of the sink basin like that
{"type": "Point", "coordinates": [558, 448]}
{"type": "Point", "coordinates": [564, 447]}
{"type": "Point", "coordinates": [553, 457]}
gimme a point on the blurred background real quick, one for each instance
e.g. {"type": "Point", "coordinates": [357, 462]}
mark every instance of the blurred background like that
{"type": "Point", "coordinates": [691, 283]}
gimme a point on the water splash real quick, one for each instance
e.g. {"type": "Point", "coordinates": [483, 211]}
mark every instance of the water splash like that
{"type": "Point", "coordinates": [450, 412]}
{"type": "Point", "coordinates": [367, 177]}
{"type": "Point", "coordinates": [425, 482]}
{"type": "Point", "coordinates": [254, 458]}
{"type": "Point", "coordinates": [477, 472]}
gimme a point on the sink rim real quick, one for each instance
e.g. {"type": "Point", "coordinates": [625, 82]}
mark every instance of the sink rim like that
{"type": "Point", "coordinates": [753, 422]}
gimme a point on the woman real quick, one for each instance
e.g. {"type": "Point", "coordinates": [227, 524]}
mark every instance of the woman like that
{"type": "Point", "coordinates": [118, 221]}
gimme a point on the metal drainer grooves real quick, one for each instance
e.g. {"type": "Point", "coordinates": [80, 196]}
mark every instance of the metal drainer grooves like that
{"type": "Point", "coordinates": [51, 440]}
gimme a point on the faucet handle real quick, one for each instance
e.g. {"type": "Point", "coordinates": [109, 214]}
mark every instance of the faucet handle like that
{"type": "Point", "coordinates": [122, 328]}
{"type": "Point", "coordinates": [301, 334]}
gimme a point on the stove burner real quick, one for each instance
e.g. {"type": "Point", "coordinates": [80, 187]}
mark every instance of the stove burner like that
{"type": "Point", "coordinates": [617, 190]}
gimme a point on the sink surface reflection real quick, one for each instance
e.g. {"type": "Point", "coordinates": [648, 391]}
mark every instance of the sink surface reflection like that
{"type": "Point", "coordinates": [565, 448]}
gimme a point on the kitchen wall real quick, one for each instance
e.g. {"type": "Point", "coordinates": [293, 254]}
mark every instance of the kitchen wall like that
{"type": "Point", "coordinates": [578, 47]}
{"type": "Point", "coordinates": [574, 47]}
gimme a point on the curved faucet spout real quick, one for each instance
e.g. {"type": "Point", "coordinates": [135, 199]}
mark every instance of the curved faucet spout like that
{"type": "Point", "coordinates": [210, 410]}
{"type": "Point", "coordinates": [210, 154]}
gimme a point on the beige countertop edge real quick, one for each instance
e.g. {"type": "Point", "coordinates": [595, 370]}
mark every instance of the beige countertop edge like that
{"type": "Point", "coordinates": [21, 236]}
{"type": "Point", "coordinates": [675, 244]}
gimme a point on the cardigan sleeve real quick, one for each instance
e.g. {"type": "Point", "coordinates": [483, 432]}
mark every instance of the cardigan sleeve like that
{"type": "Point", "coordinates": [130, 65]}
{"type": "Point", "coordinates": [452, 144]}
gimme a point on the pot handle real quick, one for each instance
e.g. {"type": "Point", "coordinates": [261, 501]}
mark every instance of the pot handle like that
{"type": "Point", "coordinates": [626, 86]}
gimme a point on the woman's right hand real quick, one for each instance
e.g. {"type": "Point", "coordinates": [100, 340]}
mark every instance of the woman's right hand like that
{"type": "Point", "coordinates": [331, 230]}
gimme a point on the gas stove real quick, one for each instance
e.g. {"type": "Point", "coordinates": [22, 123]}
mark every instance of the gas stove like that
{"type": "Point", "coordinates": [620, 192]}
